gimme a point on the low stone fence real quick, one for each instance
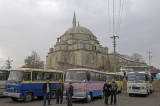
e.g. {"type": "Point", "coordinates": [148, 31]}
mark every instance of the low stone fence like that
{"type": "Point", "coordinates": [155, 84]}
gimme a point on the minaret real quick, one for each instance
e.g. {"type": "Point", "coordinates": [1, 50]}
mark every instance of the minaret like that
{"type": "Point", "coordinates": [74, 20]}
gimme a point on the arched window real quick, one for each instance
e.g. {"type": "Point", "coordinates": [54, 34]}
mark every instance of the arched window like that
{"type": "Point", "coordinates": [95, 47]}
{"type": "Point", "coordinates": [90, 60]}
{"type": "Point", "coordinates": [103, 62]}
{"type": "Point", "coordinates": [73, 59]}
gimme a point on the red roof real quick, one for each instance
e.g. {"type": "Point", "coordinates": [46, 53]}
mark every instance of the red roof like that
{"type": "Point", "coordinates": [155, 71]}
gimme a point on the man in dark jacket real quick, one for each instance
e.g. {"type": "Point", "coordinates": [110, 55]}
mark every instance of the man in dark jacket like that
{"type": "Point", "coordinates": [69, 94]}
{"type": "Point", "coordinates": [107, 92]}
{"type": "Point", "coordinates": [59, 91]}
{"type": "Point", "coordinates": [114, 88]}
{"type": "Point", "coordinates": [47, 92]}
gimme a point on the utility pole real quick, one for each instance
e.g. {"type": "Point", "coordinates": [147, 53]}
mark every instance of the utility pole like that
{"type": "Point", "coordinates": [8, 63]}
{"type": "Point", "coordinates": [149, 59]}
{"type": "Point", "coordinates": [114, 46]}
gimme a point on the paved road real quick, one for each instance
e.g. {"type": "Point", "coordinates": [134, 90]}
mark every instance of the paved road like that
{"type": "Point", "coordinates": [123, 100]}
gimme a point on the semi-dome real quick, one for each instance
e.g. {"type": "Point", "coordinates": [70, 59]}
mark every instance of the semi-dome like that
{"type": "Point", "coordinates": [77, 29]}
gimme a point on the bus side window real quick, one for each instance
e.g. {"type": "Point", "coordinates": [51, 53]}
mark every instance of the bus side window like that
{"type": "Point", "coordinates": [46, 75]}
{"type": "Point", "coordinates": [60, 76]}
{"type": "Point", "coordinates": [27, 76]}
{"type": "Point", "coordinates": [117, 78]}
{"type": "Point", "coordinates": [57, 76]}
{"type": "Point", "coordinates": [121, 78]}
{"type": "Point", "coordinates": [53, 76]}
{"type": "Point", "coordinates": [97, 76]}
{"type": "Point", "coordinates": [104, 78]}
{"type": "Point", "coordinates": [93, 76]}
{"type": "Point", "coordinates": [3, 76]}
{"type": "Point", "coordinates": [36, 76]}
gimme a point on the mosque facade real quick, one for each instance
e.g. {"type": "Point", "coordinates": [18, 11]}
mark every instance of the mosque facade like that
{"type": "Point", "coordinates": [78, 47]}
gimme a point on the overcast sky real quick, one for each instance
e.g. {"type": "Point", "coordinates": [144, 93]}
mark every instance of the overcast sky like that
{"type": "Point", "coordinates": [27, 25]}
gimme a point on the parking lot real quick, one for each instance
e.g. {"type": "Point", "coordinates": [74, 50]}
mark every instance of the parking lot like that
{"type": "Point", "coordinates": [122, 100]}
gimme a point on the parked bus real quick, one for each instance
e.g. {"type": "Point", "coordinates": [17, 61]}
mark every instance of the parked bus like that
{"type": "Point", "coordinates": [4, 73]}
{"type": "Point", "coordinates": [87, 83]}
{"type": "Point", "coordinates": [26, 83]}
{"type": "Point", "coordinates": [139, 81]}
{"type": "Point", "coordinates": [118, 79]}
{"type": "Point", "coordinates": [124, 71]}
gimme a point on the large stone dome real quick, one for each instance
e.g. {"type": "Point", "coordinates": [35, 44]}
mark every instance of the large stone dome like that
{"type": "Point", "coordinates": [78, 30]}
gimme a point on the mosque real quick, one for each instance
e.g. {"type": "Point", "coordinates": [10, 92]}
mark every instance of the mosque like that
{"type": "Point", "coordinates": [78, 47]}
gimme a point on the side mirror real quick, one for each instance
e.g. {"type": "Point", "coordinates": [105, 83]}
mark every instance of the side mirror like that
{"type": "Point", "coordinates": [146, 78]}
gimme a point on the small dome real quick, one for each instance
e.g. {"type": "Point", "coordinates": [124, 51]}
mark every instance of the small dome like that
{"type": "Point", "coordinates": [78, 30]}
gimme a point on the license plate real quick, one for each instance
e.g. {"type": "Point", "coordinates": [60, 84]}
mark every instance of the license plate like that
{"type": "Point", "coordinates": [135, 90]}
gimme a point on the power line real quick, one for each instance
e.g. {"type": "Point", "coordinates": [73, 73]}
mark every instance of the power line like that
{"type": "Point", "coordinates": [109, 18]}
{"type": "Point", "coordinates": [113, 18]}
{"type": "Point", "coordinates": [121, 3]}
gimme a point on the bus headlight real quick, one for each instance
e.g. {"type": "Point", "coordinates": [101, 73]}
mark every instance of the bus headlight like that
{"type": "Point", "coordinates": [16, 91]}
{"type": "Point", "coordinates": [142, 87]}
{"type": "Point", "coordinates": [81, 90]}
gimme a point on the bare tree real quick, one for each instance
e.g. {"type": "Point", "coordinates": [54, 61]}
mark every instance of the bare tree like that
{"type": "Point", "coordinates": [33, 61]}
{"type": "Point", "coordinates": [8, 64]}
{"type": "Point", "coordinates": [137, 57]}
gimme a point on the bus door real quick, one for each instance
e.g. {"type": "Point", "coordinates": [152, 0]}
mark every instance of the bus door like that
{"type": "Point", "coordinates": [118, 82]}
{"type": "Point", "coordinates": [26, 84]}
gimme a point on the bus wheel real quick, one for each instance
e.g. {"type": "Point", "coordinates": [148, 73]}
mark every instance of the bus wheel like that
{"type": "Point", "coordinates": [14, 99]}
{"type": "Point", "coordinates": [53, 95]}
{"type": "Point", "coordinates": [102, 96]}
{"type": "Point", "coordinates": [29, 97]}
{"type": "Point", "coordinates": [130, 94]}
{"type": "Point", "coordinates": [146, 95]}
{"type": "Point", "coordinates": [89, 98]}
{"type": "Point", "coordinates": [120, 90]}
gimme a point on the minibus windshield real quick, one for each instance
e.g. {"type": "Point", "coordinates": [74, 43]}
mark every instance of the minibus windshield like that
{"type": "Point", "coordinates": [15, 76]}
{"type": "Point", "coordinates": [109, 77]}
{"type": "Point", "coordinates": [139, 78]}
{"type": "Point", "coordinates": [75, 76]}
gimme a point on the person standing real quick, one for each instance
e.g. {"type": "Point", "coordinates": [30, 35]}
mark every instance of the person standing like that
{"type": "Point", "coordinates": [107, 92]}
{"type": "Point", "coordinates": [59, 91]}
{"type": "Point", "coordinates": [114, 88]}
{"type": "Point", "coordinates": [69, 94]}
{"type": "Point", "coordinates": [47, 92]}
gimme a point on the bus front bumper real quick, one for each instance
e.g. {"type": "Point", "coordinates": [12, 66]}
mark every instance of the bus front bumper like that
{"type": "Point", "coordinates": [137, 91]}
{"type": "Point", "coordinates": [77, 95]}
{"type": "Point", "coordinates": [16, 95]}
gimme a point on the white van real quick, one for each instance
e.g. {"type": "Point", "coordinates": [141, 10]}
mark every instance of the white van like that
{"type": "Point", "coordinates": [139, 83]}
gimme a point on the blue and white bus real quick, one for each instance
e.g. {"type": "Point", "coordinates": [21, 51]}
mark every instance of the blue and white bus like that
{"type": "Point", "coordinates": [26, 83]}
